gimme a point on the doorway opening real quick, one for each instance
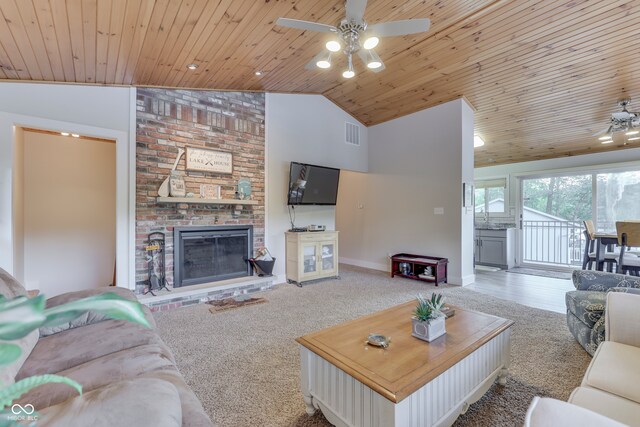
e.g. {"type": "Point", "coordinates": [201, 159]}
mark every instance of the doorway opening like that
{"type": "Point", "coordinates": [64, 210]}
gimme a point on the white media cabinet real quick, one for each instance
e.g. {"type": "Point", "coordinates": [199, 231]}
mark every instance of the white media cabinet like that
{"type": "Point", "coordinates": [311, 255]}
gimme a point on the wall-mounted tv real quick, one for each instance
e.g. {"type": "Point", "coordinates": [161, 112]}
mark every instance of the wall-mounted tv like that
{"type": "Point", "coordinates": [312, 185]}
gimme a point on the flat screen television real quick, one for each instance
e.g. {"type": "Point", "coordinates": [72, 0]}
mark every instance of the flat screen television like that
{"type": "Point", "coordinates": [312, 185]}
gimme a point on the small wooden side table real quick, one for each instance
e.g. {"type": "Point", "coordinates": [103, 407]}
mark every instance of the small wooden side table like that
{"type": "Point", "coordinates": [418, 264]}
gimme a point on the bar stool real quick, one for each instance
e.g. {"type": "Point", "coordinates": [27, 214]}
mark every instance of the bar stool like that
{"type": "Point", "coordinates": [590, 254]}
{"type": "Point", "coordinates": [628, 236]}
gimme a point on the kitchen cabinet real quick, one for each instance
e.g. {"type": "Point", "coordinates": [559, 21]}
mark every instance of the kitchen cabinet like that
{"type": "Point", "coordinates": [495, 248]}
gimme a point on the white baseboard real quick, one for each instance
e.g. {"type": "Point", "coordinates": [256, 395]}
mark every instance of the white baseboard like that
{"type": "Point", "coordinates": [365, 264]}
{"type": "Point", "coordinates": [468, 279]}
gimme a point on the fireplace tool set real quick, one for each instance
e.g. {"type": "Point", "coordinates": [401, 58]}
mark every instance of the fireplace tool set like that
{"type": "Point", "coordinates": [156, 263]}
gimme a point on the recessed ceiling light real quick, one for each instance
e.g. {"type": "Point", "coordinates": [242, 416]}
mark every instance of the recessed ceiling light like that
{"type": "Point", "coordinates": [75, 135]}
{"type": "Point", "coordinates": [604, 138]}
{"type": "Point", "coordinates": [634, 139]}
{"type": "Point", "coordinates": [258, 73]}
{"type": "Point", "coordinates": [192, 66]}
{"type": "Point", "coordinates": [477, 141]}
{"type": "Point", "coordinates": [632, 132]}
{"type": "Point", "coordinates": [64, 133]}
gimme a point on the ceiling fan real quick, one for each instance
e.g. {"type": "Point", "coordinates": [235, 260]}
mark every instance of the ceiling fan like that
{"type": "Point", "coordinates": [623, 121]}
{"type": "Point", "coordinates": [353, 36]}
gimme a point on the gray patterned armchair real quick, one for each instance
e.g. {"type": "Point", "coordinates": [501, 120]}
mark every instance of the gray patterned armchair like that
{"type": "Point", "coordinates": [586, 305]}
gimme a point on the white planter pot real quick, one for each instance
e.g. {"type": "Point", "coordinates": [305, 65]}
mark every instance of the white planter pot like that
{"type": "Point", "coordinates": [428, 331]}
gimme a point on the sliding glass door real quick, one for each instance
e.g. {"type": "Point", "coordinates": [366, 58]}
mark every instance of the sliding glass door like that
{"type": "Point", "coordinates": [617, 199]}
{"type": "Point", "coordinates": [552, 212]}
{"type": "Point", "coordinates": [554, 207]}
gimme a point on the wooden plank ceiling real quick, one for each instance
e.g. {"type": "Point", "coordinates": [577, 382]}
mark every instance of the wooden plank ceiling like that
{"type": "Point", "coordinates": [543, 75]}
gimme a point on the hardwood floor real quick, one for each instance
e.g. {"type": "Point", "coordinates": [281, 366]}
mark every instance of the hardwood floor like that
{"type": "Point", "coordinates": [533, 291]}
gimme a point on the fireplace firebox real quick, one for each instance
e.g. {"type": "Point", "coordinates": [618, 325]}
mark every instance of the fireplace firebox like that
{"type": "Point", "coordinates": [212, 253]}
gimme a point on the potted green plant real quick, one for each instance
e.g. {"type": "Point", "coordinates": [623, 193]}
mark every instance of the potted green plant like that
{"type": "Point", "coordinates": [428, 319]}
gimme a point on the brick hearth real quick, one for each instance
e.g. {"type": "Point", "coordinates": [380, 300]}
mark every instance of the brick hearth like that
{"type": "Point", "coordinates": [170, 119]}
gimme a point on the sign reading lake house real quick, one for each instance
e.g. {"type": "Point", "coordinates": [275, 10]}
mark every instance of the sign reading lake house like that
{"type": "Point", "coordinates": [204, 160]}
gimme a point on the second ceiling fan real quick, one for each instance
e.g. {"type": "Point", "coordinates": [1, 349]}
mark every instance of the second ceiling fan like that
{"type": "Point", "coordinates": [354, 37]}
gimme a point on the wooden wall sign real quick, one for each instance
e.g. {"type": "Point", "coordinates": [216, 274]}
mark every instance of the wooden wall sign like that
{"type": "Point", "coordinates": [204, 160]}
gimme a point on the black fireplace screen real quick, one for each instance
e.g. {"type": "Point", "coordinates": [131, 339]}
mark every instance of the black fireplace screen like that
{"type": "Point", "coordinates": [209, 254]}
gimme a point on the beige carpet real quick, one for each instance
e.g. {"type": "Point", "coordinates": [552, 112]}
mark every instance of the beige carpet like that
{"type": "Point", "coordinates": [244, 366]}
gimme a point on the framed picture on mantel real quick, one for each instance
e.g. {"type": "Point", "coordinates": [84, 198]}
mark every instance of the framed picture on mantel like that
{"type": "Point", "coordinates": [205, 160]}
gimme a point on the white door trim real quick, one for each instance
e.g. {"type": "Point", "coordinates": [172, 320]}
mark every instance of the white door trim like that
{"type": "Point", "coordinates": [125, 186]}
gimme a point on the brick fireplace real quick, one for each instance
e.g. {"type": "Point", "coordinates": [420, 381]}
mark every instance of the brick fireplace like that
{"type": "Point", "coordinates": [167, 120]}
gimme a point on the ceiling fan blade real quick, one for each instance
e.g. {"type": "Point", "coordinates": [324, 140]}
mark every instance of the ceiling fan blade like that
{"type": "Point", "coordinates": [400, 28]}
{"type": "Point", "coordinates": [604, 131]}
{"type": "Point", "coordinates": [305, 25]}
{"type": "Point", "coordinates": [362, 53]}
{"type": "Point", "coordinates": [355, 10]}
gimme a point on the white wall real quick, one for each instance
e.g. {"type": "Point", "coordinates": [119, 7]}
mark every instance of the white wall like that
{"type": "Point", "coordinates": [107, 112]}
{"type": "Point", "coordinates": [306, 129]}
{"type": "Point", "coordinates": [416, 163]}
{"type": "Point", "coordinates": [69, 213]}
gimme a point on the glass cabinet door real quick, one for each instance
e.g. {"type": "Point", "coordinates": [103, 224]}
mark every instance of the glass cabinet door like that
{"type": "Point", "coordinates": [309, 257]}
{"type": "Point", "coordinates": [328, 257]}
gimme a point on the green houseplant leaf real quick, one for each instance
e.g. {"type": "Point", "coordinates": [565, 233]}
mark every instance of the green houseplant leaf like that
{"type": "Point", "coordinates": [9, 353]}
{"type": "Point", "coordinates": [20, 316]}
{"type": "Point", "coordinates": [14, 391]}
{"type": "Point", "coordinates": [109, 304]}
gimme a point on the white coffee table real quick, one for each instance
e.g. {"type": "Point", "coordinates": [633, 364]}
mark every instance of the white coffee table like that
{"type": "Point", "coordinates": [412, 383]}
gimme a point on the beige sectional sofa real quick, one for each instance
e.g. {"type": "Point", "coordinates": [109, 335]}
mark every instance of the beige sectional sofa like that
{"type": "Point", "coordinates": [609, 395]}
{"type": "Point", "coordinates": [128, 374]}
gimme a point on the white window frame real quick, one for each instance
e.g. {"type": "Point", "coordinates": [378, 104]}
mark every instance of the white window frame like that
{"type": "Point", "coordinates": [499, 182]}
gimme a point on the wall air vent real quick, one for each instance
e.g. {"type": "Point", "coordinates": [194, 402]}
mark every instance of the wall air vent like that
{"type": "Point", "coordinates": [352, 134]}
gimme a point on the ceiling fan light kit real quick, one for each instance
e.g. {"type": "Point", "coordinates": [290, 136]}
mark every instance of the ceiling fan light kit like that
{"type": "Point", "coordinates": [370, 42]}
{"type": "Point", "coordinates": [350, 31]}
{"type": "Point", "coordinates": [324, 61]}
{"type": "Point", "coordinates": [348, 73]}
{"type": "Point", "coordinates": [621, 121]}
{"type": "Point", "coordinates": [333, 46]}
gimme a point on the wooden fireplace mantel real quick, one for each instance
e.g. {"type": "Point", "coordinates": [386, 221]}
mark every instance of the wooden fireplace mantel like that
{"type": "Point", "coordinates": [197, 200]}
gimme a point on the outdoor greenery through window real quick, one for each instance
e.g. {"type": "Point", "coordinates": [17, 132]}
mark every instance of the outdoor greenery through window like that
{"type": "Point", "coordinates": [554, 208]}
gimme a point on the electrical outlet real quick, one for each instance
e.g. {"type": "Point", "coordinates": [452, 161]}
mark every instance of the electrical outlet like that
{"type": "Point", "coordinates": [438, 211]}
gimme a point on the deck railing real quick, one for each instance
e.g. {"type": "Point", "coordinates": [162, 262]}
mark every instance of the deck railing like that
{"type": "Point", "coordinates": [553, 242]}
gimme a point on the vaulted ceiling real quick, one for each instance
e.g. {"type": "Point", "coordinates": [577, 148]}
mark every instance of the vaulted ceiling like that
{"type": "Point", "coordinates": [542, 75]}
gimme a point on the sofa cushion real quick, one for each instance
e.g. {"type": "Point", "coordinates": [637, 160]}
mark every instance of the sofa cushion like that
{"type": "Point", "coordinates": [582, 333]}
{"type": "Point", "coordinates": [609, 405]}
{"type": "Point", "coordinates": [546, 412]}
{"type": "Point", "coordinates": [89, 317]}
{"type": "Point", "coordinates": [587, 306]}
{"type": "Point", "coordinates": [122, 365]}
{"type": "Point", "coordinates": [9, 372]}
{"type": "Point", "coordinates": [9, 286]}
{"type": "Point", "coordinates": [193, 415]}
{"type": "Point", "coordinates": [73, 347]}
{"type": "Point", "coordinates": [587, 280]}
{"type": "Point", "coordinates": [615, 369]}
{"type": "Point", "coordinates": [140, 402]}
